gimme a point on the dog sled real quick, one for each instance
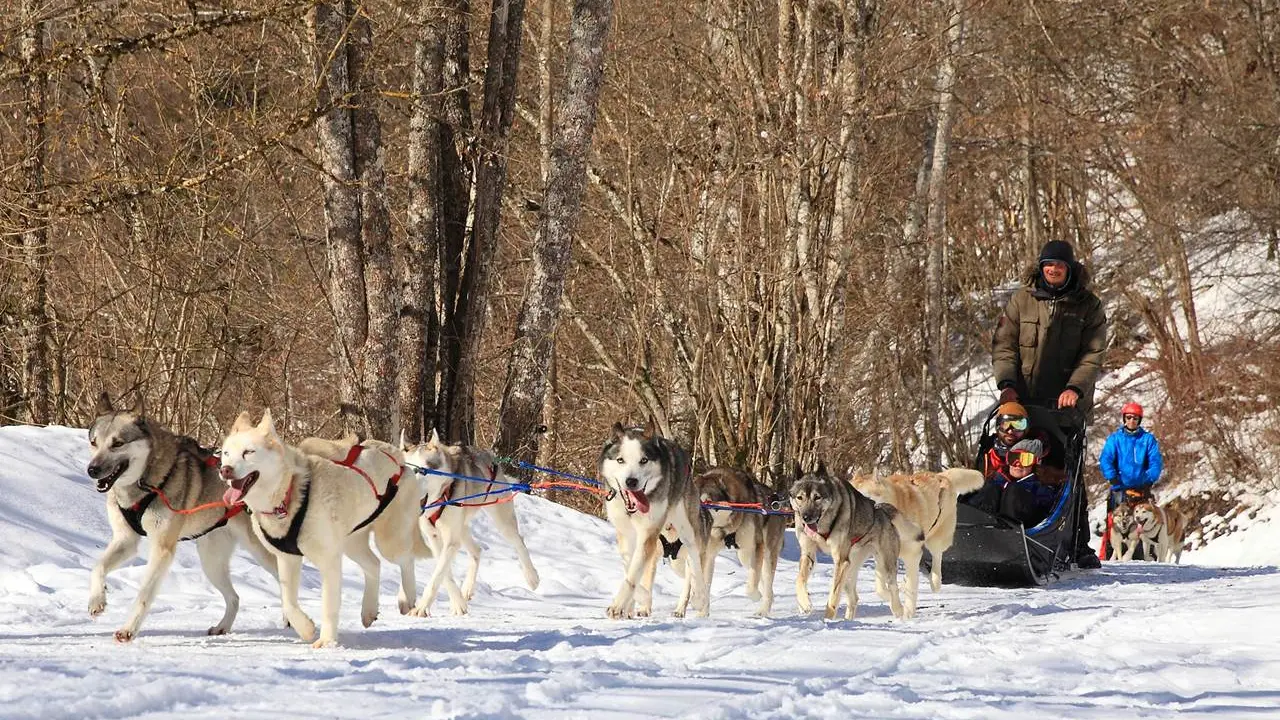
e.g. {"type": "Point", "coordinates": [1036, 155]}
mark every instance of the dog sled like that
{"type": "Point", "coordinates": [992, 550]}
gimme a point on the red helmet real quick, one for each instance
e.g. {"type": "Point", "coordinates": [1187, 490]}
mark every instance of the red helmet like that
{"type": "Point", "coordinates": [1132, 408]}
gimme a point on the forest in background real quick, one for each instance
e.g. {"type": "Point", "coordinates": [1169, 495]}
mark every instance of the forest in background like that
{"type": "Point", "coordinates": [797, 217]}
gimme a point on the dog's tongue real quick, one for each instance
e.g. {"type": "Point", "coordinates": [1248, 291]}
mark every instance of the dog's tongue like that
{"type": "Point", "coordinates": [642, 502]}
{"type": "Point", "coordinates": [233, 496]}
{"type": "Point", "coordinates": [811, 528]}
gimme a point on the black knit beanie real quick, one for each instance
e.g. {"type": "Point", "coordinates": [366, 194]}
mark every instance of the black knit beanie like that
{"type": "Point", "coordinates": [1057, 250]}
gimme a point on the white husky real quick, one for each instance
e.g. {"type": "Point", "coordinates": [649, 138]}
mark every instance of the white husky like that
{"type": "Point", "coordinates": [308, 506]}
{"type": "Point", "coordinates": [458, 471]}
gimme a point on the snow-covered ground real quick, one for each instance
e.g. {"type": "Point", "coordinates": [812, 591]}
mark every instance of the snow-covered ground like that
{"type": "Point", "coordinates": [1132, 640]}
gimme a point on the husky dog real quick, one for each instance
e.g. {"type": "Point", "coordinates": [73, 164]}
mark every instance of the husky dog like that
{"type": "Point", "coordinates": [928, 500]}
{"type": "Point", "coordinates": [313, 506]}
{"type": "Point", "coordinates": [154, 481]}
{"type": "Point", "coordinates": [756, 536]}
{"type": "Point", "coordinates": [651, 494]}
{"type": "Point", "coordinates": [1124, 533]}
{"type": "Point", "coordinates": [831, 515]}
{"type": "Point", "coordinates": [448, 527]}
{"type": "Point", "coordinates": [1161, 531]}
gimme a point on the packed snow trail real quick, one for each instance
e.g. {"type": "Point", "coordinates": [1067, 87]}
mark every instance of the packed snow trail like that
{"type": "Point", "coordinates": [1134, 639]}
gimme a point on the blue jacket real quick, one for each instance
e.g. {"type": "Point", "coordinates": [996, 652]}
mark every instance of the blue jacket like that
{"type": "Point", "coordinates": [1131, 460]}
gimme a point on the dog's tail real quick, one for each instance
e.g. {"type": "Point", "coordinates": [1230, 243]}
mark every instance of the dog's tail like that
{"type": "Point", "coordinates": [908, 531]}
{"type": "Point", "coordinates": [964, 480]}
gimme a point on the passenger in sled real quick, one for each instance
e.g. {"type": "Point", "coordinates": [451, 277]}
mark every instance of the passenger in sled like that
{"type": "Point", "coordinates": [1048, 349]}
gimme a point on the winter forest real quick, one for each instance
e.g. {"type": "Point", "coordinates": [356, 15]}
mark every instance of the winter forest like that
{"type": "Point", "coordinates": [780, 230]}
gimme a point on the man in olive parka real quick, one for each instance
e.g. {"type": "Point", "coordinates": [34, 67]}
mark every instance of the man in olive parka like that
{"type": "Point", "coordinates": [1050, 340]}
{"type": "Point", "coordinates": [1048, 349]}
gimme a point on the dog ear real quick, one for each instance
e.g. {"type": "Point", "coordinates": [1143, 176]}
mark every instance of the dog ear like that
{"type": "Point", "coordinates": [242, 422]}
{"type": "Point", "coordinates": [650, 428]}
{"type": "Point", "coordinates": [435, 437]}
{"type": "Point", "coordinates": [404, 442]}
{"type": "Point", "coordinates": [268, 424]}
{"type": "Point", "coordinates": [618, 430]}
{"type": "Point", "coordinates": [797, 470]}
{"type": "Point", "coordinates": [822, 468]}
{"type": "Point", "coordinates": [103, 406]}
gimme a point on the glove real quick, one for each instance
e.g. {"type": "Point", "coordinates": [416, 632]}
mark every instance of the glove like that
{"type": "Point", "coordinates": [1008, 395]}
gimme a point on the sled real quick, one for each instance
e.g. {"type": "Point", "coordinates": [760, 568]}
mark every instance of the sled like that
{"type": "Point", "coordinates": [995, 551]}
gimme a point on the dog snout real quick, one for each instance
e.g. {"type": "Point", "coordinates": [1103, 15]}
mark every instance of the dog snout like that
{"type": "Point", "coordinates": [633, 483]}
{"type": "Point", "coordinates": [228, 473]}
{"type": "Point", "coordinates": [95, 471]}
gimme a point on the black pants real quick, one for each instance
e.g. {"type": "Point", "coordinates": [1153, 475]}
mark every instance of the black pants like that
{"type": "Point", "coordinates": [1011, 501]}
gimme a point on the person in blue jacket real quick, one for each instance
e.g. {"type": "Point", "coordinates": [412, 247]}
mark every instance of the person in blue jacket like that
{"type": "Point", "coordinates": [1130, 459]}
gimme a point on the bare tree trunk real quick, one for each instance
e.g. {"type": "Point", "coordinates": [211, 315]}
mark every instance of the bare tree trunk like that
{"type": "Point", "coordinates": [522, 399]}
{"type": "Point", "coordinates": [362, 280]}
{"type": "Point", "coordinates": [505, 38]}
{"type": "Point", "coordinates": [36, 377]}
{"type": "Point", "coordinates": [419, 321]}
{"type": "Point", "coordinates": [456, 173]}
{"type": "Point", "coordinates": [937, 371]}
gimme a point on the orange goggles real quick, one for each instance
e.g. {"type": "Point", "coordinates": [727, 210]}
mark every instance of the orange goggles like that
{"type": "Point", "coordinates": [1021, 458]}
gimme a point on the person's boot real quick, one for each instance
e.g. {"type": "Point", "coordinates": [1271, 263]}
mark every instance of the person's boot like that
{"type": "Point", "coordinates": [1087, 559]}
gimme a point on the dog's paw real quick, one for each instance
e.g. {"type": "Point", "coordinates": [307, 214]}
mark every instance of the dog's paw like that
{"type": "Point", "coordinates": [935, 584]}
{"type": "Point", "coordinates": [420, 611]}
{"type": "Point", "coordinates": [368, 616]}
{"type": "Point", "coordinates": [753, 594]}
{"type": "Point", "coordinates": [678, 613]}
{"type": "Point", "coordinates": [305, 627]}
{"type": "Point", "coordinates": [805, 606]}
{"type": "Point", "coordinates": [404, 606]}
{"type": "Point", "coordinates": [97, 604]}
{"type": "Point", "coordinates": [218, 630]}
{"type": "Point", "coordinates": [644, 611]}
{"type": "Point", "coordinates": [458, 609]}
{"type": "Point", "coordinates": [531, 579]}
{"type": "Point", "coordinates": [125, 635]}
{"type": "Point", "coordinates": [619, 612]}
{"type": "Point", "coordinates": [830, 614]}
{"type": "Point", "coordinates": [325, 642]}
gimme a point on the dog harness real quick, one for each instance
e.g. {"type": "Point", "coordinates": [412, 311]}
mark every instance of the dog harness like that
{"type": "Point", "coordinates": [443, 500]}
{"type": "Point", "coordinates": [670, 548]}
{"type": "Point", "coordinates": [289, 543]}
{"type": "Point", "coordinates": [133, 514]}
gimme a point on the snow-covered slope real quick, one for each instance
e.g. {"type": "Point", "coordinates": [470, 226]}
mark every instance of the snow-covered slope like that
{"type": "Point", "coordinates": [1138, 640]}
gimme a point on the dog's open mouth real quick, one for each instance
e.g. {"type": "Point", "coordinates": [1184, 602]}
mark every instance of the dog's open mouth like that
{"type": "Point", "coordinates": [635, 501]}
{"type": "Point", "coordinates": [811, 528]}
{"type": "Point", "coordinates": [106, 483]}
{"type": "Point", "coordinates": [238, 487]}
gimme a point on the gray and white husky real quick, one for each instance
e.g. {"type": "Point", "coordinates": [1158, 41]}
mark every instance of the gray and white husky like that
{"type": "Point", "coordinates": [459, 471]}
{"type": "Point", "coordinates": [831, 515]}
{"type": "Point", "coordinates": [651, 493]}
{"type": "Point", "coordinates": [152, 480]}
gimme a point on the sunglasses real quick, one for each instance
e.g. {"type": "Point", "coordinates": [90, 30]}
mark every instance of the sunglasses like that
{"type": "Point", "coordinates": [1010, 422]}
{"type": "Point", "coordinates": [1022, 458]}
{"type": "Point", "coordinates": [1131, 417]}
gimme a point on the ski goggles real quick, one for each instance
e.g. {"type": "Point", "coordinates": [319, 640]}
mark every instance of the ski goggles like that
{"type": "Point", "coordinates": [1012, 422]}
{"type": "Point", "coordinates": [1129, 417]}
{"type": "Point", "coordinates": [1021, 458]}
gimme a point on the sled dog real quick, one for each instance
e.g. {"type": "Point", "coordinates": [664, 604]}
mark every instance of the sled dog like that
{"type": "Point", "coordinates": [1161, 530]}
{"type": "Point", "coordinates": [153, 480]}
{"type": "Point", "coordinates": [1124, 533]}
{"type": "Point", "coordinates": [756, 536]}
{"type": "Point", "coordinates": [317, 507]}
{"type": "Point", "coordinates": [651, 493]}
{"type": "Point", "coordinates": [928, 500]}
{"type": "Point", "coordinates": [448, 527]}
{"type": "Point", "coordinates": [831, 515]}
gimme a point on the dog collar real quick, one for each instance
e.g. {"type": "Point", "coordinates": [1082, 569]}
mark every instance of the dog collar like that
{"type": "Point", "coordinates": [282, 510]}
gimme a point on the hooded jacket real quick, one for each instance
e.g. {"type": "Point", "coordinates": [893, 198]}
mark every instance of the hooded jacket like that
{"type": "Point", "coordinates": [1131, 459]}
{"type": "Point", "coordinates": [1048, 340]}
